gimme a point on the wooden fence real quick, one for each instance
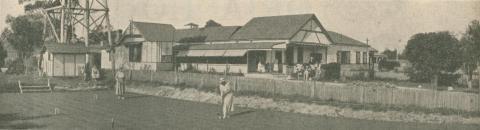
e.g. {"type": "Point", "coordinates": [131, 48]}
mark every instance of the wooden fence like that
{"type": "Point", "coordinates": [324, 90]}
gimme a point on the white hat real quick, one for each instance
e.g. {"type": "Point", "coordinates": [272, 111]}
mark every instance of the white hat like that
{"type": "Point", "coordinates": [222, 79]}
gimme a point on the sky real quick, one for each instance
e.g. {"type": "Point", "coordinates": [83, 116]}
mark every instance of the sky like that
{"type": "Point", "coordinates": [386, 23]}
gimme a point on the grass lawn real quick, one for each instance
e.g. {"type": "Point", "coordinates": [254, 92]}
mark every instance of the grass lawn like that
{"type": "Point", "coordinates": [80, 110]}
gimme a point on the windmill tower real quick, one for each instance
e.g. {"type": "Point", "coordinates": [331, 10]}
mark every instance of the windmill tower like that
{"type": "Point", "coordinates": [64, 17]}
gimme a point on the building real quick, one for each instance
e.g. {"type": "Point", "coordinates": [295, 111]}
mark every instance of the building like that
{"type": "Point", "coordinates": [146, 46]}
{"type": "Point", "coordinates": [272, 45]}
{"type": "Point", "coordinates": [69, 60]}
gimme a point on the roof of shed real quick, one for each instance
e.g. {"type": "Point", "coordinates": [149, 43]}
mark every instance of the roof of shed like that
{"type": "Point", "coordinates": [72, 48]}
{"type": "Point", "coordinates": [272, 27]}
{"type": "Point", "coordinates": [155, 31]}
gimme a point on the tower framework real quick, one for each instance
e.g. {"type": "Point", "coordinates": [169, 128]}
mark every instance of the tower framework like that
{"type": "Point", "coordinates": [65, 16]}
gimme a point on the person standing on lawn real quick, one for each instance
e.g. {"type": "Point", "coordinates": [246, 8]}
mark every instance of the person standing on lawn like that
{"type": "Point", "coordinates": [120, 84]}
{"type": "Point", "coordinates": [95, 75]}
{"type": "Point", "coordinates": [226, 92]}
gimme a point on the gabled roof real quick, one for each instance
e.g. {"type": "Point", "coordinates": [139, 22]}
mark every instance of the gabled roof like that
{"type": "Point", "coordinates": [344, 40]}
{"type": "Point", "coordinates": [155, 31]}
{"type": "Point", "coordinates": [272, 27]}
{"type": "Point", "coordinates": [222, 33]}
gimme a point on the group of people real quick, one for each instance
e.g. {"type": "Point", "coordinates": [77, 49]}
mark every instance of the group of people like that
{"type": "Point", "coordinates": [307, 71]}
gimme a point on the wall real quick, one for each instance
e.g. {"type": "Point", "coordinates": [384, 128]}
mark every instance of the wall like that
{"type": "Point", "coordinates": [63, 64]}
{"type": "Point", "coordinates": [106, 60]}
{"type": "Point", "coordinates": [333, 49]}
{"type": "Point", "coordinates": [151, 58]}
{"type": "Point", "coordinates": [122, 60]}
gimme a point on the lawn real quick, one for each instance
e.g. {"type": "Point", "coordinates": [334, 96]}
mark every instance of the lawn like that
{"type": "Point", "coordinates": [80, 110]}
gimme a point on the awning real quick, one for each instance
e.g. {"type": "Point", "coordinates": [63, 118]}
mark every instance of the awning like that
{"type": "Point", "coordinates": [235, 52]}
{"type": "Point", "coordinates": [280, 46]}
{"type": "Point", "coordinates": [235, 46]}
{"type": "Point", "coordinates": [212, 53]}
{"type": "Point", "coordinates": [196, 53]}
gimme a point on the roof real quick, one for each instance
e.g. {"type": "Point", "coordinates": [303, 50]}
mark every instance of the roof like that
{"type": "Point", "coordinates": [155, 31]}
{"type": "Point", "coordinates": [234, 46]}
{"type": "Point", "coordinates": [344, 40]}
{"type": "Point", "coordinates": [221, 33]}
{"type": "Point", "coordinates": [72, 48]}
{"type": "Point", "coordinates": [272, 27]}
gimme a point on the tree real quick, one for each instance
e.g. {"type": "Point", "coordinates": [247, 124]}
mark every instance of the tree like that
{"type": "Point", "coordinates": [3, 54]}
{"type": "Point", "coordinates": [27, 33]}
{"type": "Point", "coordinates": [391, 54]}
{"type": "Point", "coordinates": [26, 36]}
{"type": "Point", "coordinates": [431, 55]}
{"type": "Point", "coordinates": [211, 23]}
{"type": "Point", "coordinates": [470, 43]}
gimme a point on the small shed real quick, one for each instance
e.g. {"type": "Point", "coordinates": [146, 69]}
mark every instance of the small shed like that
{"type": "Point", "coordinates": [69, 60]}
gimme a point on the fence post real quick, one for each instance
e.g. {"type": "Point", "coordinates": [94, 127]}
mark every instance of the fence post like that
{"type": "Point", "coordinates": [151, 76]}
{"type": "Point", "coordinates": [176, 78]}
{"type": "Point", "coordinates": [274, 88]}
{"type": "Point", "coordinates": [312, 89]}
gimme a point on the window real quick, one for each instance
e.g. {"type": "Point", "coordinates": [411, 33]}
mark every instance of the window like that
{"type": "Point", "coordinates": [135, 53]}
{"type": "Point", "coordinates": [364, 57]}
{"type": "Point", "coordinates": [357, 57]}
{"type": "Point", "coordinates": [300, 55]}
{"type": "Point", "coordinates": [343, 57]}
{"type": "Point", "coordinates": [166, 51]}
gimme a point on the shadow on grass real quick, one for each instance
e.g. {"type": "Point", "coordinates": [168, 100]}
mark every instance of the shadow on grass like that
{"type": "Point", "coordinates": [133, 96]}
{"type": "Point", "coordinates": [7, 121]}
{"type": "Point", "coordinates": [242, 113]}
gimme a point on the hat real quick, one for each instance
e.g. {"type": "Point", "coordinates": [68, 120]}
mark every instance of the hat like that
{"type": "Point", "coordinates": [222, 79]}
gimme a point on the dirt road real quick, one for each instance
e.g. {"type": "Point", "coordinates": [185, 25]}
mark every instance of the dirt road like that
{"type": "Point", "coordinates": [81, 110]}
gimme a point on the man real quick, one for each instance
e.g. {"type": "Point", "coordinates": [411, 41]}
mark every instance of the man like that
{"type": "Point", "coordinates": [226, 92]}
{"type": "Point", "coordinates": [120, 84]}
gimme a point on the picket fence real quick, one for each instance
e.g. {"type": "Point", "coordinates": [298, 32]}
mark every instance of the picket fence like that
{"type": "Point", "coordinates": [323, 90]}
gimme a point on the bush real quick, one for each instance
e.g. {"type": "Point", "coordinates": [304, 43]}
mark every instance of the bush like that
{"type": "Point", "coordinates": [448, 79]}
{"type": "Point", "coordinates": [16, 67]}
{"type": "Point", "coordinates": [331, 70]}
{"type": "Point", "coordinates": [388, 65]}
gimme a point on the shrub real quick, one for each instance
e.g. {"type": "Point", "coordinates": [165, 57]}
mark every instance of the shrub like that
{"type": "Point", "coordinates": [16, 67]}
{"type": "Point", "coordinates": [388, 65]}
{"type": "Point", "coordinates": [331, 70]}
{"type": "Point", "coordinates": [448, 79]}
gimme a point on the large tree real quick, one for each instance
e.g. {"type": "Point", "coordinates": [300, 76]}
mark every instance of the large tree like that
{"type": "Point", "coordinates": [470, 42]}
{"type": "Point", "coordinates": [27, 33]}
{"type": "Point", "coordinates": [391, 54]}
{"type": "Point", "coordinates": [431, 55]}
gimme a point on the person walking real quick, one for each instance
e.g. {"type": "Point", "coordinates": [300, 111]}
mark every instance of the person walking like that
{"type": "Point", "coordinates": [226, 92]}
{"type": "Point", "coordinates": [120, 84]}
